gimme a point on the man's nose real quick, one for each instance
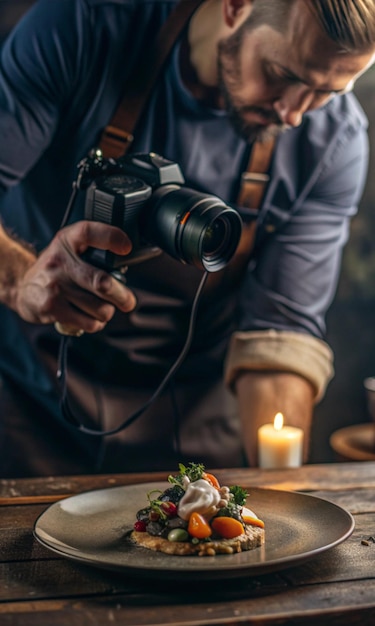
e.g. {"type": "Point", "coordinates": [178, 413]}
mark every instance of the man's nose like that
{"type": "Point", "coordinates": [292, 104]}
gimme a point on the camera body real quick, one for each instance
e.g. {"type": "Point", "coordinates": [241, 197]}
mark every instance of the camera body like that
{"type": "Point", "coordinates": [145, 195]}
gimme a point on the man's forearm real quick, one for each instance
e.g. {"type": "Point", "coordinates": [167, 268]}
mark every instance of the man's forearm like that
{"type": "Point", "coordinates": [263, 394]}
{"type": "Point", "coordinates": [15, 259]}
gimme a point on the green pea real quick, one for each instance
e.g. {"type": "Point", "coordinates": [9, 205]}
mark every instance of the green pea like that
{"type": "Point", "coordinates": [178, 534]}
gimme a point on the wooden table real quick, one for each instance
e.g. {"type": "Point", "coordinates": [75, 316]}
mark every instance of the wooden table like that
{"type": "Point", "coordinates": [38, 587]}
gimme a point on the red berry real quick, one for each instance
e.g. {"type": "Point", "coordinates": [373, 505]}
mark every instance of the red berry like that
{"type": "Point", "coordinates": [169, 508]}
{"type": "Point", "coordinates": [140, 526]}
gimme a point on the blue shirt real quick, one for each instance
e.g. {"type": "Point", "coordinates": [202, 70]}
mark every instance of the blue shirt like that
{"type": "Point", "coordinates": [63, 71]}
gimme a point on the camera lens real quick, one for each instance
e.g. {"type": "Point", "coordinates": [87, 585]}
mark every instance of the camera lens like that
{"type": "Point", "coordinates": [214, 239]}
{"type": "Point", "coordinates": [194, 227]}
{"type": "Point", "coordinates": [220, 239]}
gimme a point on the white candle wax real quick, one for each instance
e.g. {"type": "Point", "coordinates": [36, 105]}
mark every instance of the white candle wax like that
{"type": "Point", "coordinates": [279, 446]}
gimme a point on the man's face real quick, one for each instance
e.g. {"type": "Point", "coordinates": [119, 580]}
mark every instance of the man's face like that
{"type": "Point", "coordinates": [269, 79]}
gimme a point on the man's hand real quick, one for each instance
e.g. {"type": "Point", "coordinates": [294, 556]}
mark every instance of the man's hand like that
{"type": "Point", "coordinates": [59, 286]}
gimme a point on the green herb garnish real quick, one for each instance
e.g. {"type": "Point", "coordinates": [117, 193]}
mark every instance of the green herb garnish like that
{"type": "Point", "coordinates": [239, 494]}
{"type": "Point", "coordinates": [156, 504]}
{"type": "Point", "coordinates": [194, 471]}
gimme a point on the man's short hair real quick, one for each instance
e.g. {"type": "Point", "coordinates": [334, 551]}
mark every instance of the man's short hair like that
{"type": "Point", "coordinates": [349, 23]}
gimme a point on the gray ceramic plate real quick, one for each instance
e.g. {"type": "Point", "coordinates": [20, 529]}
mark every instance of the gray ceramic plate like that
{"type": "Point", "coordinates": [93, 528]}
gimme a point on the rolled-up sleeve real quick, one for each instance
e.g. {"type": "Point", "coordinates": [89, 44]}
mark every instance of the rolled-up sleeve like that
{"type": "Point", "coordinates": [281, 351]}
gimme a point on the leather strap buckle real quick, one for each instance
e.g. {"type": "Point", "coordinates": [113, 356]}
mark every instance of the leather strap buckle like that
{"type": "Point", "coordinates": [115, 141]}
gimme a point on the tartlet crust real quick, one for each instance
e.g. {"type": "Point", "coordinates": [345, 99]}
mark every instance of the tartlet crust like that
{"type": "Point", "coordinates": [252, 538]}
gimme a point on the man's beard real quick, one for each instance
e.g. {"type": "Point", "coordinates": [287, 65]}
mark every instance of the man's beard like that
{"type": "Point", "coordinates": [227, 75]}
{"type": "Point", "coordinates": [250, 131]}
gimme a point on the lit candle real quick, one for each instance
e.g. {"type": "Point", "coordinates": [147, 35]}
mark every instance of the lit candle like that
{"type": "Point", "coordinates": [279, 445]}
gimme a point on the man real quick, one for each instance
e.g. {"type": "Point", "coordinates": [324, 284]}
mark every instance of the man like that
{"type": "Point", "coordinates": [242, 70]}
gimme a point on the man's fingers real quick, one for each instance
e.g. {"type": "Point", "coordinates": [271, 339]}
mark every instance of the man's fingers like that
{"type": "Point", "coordinates": [101, 308]}
{"type": "Point", "coordinates": [88, 234]}
{"type": "Point", "coordinates": [96, 282]}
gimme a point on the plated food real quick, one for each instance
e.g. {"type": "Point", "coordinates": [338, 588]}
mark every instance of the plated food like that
{"type": "Point", "coordinates": [195, 515]}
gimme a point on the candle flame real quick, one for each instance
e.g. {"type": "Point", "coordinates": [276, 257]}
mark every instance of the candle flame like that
{"type": "Point", "coordinates": [278, 422]}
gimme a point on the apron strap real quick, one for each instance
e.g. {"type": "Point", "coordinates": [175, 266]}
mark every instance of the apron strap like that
{"type": "Point", "coordinates": [255, 179]}
{"type": "Point", "coordinates": [253, 186]}
{"type": "Point", "coordinates": [118, 135]}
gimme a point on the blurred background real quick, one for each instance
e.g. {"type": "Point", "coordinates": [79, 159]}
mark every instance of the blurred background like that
{"type": "Point", "coordinates": [350, 321]}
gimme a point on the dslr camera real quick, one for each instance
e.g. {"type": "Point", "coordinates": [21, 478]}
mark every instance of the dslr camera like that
{"type": "Point", "coordinates": [145, 195]}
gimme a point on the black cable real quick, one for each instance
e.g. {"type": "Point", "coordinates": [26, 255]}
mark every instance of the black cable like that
{"type": "Point", "coordinates": [62, 371]}
{"type": "Point", "coordinates": [176, 420]}
{"type": "Point", "coordinates": [69, 207]}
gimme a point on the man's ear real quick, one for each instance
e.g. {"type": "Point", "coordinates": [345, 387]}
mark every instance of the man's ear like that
{"type": "Point", "coordinates": [235, 11]}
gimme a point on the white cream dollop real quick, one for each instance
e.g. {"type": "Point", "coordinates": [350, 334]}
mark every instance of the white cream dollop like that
{"type": "Point", "coordinates": [200, 497]}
